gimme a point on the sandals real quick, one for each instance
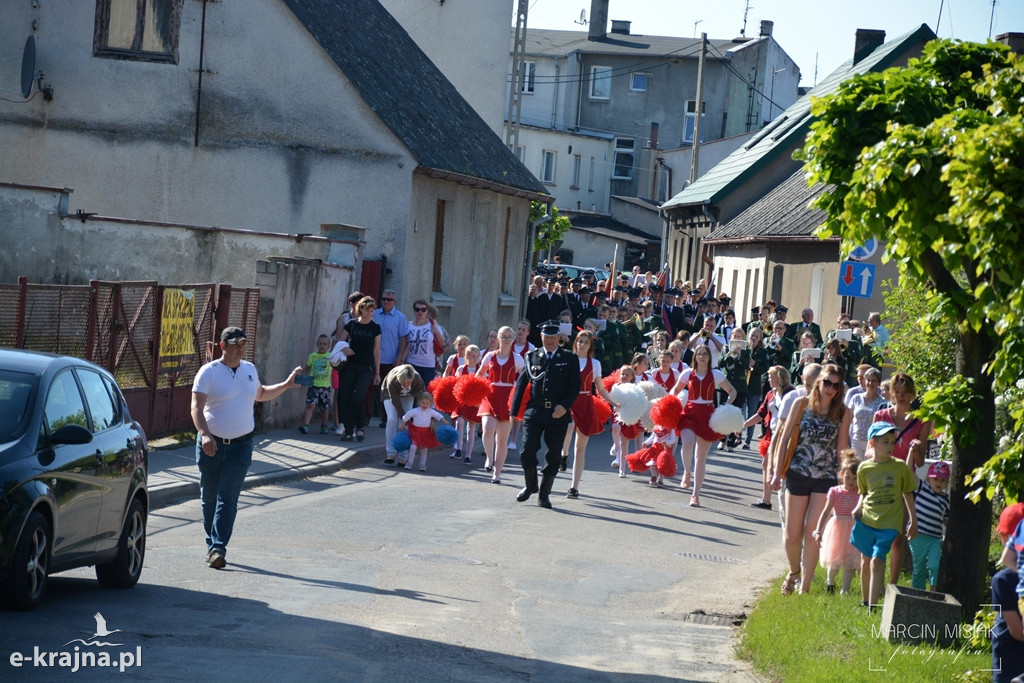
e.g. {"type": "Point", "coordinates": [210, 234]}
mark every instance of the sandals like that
{"type": "Point", "coordinates": [360, 435]}
{"type": "Point", "coordinates": [789, 585]}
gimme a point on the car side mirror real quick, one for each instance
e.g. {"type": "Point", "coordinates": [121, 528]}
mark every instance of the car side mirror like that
{"type": "Point", "coordinates": [71, 434]}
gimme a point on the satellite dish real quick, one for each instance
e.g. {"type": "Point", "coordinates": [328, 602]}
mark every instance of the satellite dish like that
{"type": "Point", "coordinates": [583, 17]}
{"type": "Point", "coordinates": [28, 66]}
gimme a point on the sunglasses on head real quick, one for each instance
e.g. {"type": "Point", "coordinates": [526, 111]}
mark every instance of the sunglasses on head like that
{"type": "Point", "coordinates": [237, 340]}
{"type": "Point", "coordinates": [419, 309]}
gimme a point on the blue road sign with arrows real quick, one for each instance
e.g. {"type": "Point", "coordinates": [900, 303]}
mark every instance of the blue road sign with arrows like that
{"type": "Point", "coordinates": [856, 279]}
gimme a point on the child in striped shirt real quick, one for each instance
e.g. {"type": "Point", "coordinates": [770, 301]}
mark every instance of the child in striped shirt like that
{"type": "Point", "coordinates": [932, 506]}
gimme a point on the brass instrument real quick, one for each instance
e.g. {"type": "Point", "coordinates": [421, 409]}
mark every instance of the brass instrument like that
{"type": "Point", "coordinates": [869, 337]}
{"type": "Point", "coordinates": [766, 328]}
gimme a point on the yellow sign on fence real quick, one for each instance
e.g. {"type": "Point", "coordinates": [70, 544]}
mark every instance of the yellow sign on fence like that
{"type": "Point", "coordinates": [177, 329]}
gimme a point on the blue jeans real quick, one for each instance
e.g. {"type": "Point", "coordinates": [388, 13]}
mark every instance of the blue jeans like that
{"type": "Point", "coordinates": [220, 484]}
{"type": "Point", "coordinates": [925, 549]}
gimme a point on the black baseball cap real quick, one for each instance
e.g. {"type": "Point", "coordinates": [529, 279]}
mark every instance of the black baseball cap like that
{"type": "Point", "coordinates": [231, 335]}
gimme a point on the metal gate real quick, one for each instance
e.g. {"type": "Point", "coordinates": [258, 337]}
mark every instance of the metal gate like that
{"type": "Point", "coordinates": [117, 325]}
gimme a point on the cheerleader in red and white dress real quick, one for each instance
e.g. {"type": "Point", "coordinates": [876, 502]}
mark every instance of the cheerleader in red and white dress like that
{"type": "Point", "coordinates": [695, 434]}
{"type": "Point", "coordinates": [467, 417]}
{"type": "Point", "coordinates": [521, 346]}
{"type": "Point", "coordinates": [501, 368]}
{"type": "Point", "coordinates": [457, 359]}
{"type": "Point", "coordinates": [678, 348]}
{"type": "Point", "coordinates": [665, 375]}
{"type": "Point", "coordinates": [588, 412]}
{"type": "Point", "coordinates": [658, 457]}
{"type": "Point", "coordinates": [622, 434]}
{"type": "Point", "coordinates": [420, 421]}
{"type": "Point", "coordinates": [641, 365]}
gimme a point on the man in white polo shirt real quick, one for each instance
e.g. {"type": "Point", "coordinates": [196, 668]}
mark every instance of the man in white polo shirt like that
{"type": "Point", "coordinates": [223, 395]}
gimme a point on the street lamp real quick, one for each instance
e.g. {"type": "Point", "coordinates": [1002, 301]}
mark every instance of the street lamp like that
{"type": "Point", "coordinates": [771, 97]}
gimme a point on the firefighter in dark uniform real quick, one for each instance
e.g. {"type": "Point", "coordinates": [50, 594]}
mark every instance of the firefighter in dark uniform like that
{"type": "Point", "coordinates": [553, 374]}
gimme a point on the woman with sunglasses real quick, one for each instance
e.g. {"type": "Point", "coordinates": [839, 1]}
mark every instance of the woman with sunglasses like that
{"type": "Point", "coordinates": [423, 332]}
{"type": "Point", "coordinates": [501, 368]}
{"type": "Point", "coordinates": [824, 424]}
{"type": "Point", "coordinates": [361, 370]}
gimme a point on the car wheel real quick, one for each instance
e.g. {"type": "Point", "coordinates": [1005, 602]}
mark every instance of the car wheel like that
{"type": "Point", "coordinates": [125, 570]}
{"type": "Point", "coordinates": [26, 581]}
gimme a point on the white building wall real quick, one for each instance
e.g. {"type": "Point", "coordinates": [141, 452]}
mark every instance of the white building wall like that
{"type": "Point", "coordinates": [468, 41]}
{"type": "Point", "coordinates": [595, 166]}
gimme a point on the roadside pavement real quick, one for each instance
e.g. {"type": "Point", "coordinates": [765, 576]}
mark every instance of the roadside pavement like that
{"type": "Point", "coordinates": [277, 456]}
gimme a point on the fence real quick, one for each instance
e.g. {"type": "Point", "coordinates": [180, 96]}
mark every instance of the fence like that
{"type": "Point", "coordinates": [119, 326]}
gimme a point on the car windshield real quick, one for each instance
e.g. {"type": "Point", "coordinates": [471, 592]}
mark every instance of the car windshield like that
{"type": "Point", "coordinates": [15, 392]}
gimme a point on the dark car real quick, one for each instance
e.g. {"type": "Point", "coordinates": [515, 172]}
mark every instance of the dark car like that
{"type": "Point", "coordinates": [73, 469]}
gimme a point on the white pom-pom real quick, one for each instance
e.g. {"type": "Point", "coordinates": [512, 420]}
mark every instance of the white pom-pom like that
{"type": "Point", "coordinates": [632, 402]}
{"type": "Point", "coordinates": [726, 419]}
{"type": "Point", "coordinates": [652, 390]}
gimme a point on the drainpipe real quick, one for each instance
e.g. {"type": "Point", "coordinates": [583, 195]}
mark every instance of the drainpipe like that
{"type": "Point", "coordinates": [199, 87]}
{"type": "Point", "coordinates": [704, 247]}
{"type": "Point", "coordinates": [554, 102]}
{"type": "Point", "coordinates": [579, 97]}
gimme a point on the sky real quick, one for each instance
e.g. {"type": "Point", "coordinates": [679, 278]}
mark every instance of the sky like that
{"type": "Point", "coordinates": [811, 32]}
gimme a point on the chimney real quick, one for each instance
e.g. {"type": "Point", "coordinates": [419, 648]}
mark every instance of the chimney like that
{"type": "Point", "coordinates": [866, 41]}
{"type": "Point", "coordinates": [766, 28]}
{"type": "Point", "coordinates": [620, 26]}
{"type": "Point", "coordinates": [1014, 40]}
{"type": "Point", "coordinates": [598, 19]}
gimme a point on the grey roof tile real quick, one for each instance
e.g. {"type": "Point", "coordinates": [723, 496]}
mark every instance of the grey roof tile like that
{"type": "Point", "coordinates": [783, 213]}
{"type": "Point", "coordinates": [409, 93]}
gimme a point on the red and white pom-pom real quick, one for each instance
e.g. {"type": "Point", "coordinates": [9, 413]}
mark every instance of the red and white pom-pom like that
{"type": "Point", "coordinates": [646, 422]}
{"type": "Point", "coordinates": [666, 463]}
{"type": "Point", "coordinates": [653, 390]}
{"type": "Point", "coordinates": [666, 411]}
{"type": "Point", "coordinates": [610, 380]}
{"type": "Point", "coordinates": [471, 390]}
{"type": "Point", "coordinates": [726, 419]}
{"type": "Point", "coordinates": [602, 411]}
{"type": "Point", "coordinates": [522, 403]}
{"type": "Point", "coordinates": [640, 461]}
{"type": "Point", "coordinates": [632, 402]}
{"type": "Point", "coordinates": [443, 391]}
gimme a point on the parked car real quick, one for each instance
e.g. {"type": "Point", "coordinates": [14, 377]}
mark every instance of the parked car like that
{"type": "Point", "coordinates": [576, 271]}
{"type": "Point", "coordinates": [73, 467]}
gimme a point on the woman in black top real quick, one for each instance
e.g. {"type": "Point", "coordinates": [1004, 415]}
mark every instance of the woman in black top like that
{"type": "Point", "coordinates": [362, 368]}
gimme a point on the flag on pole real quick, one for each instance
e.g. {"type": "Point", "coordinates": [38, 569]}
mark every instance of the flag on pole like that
{"type": "Point", "coordinates": [663, 282]}
{"type": "Point", "coordinates": [610, 284]}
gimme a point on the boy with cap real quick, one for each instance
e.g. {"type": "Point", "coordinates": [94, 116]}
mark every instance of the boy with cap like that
{"type": "Point", "coordinates": [932, 506]}
{"type": "Point", "coordinates": [886, 486]}
{"type": "Point", "coordinates": [1008, 632]}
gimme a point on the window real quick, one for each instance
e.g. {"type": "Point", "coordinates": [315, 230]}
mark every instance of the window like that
{"type": "Point", "coordinates": [600, 82]}
{"type": "Point", "coordinates": [638, 82]}
{"type": "Point", "coordinates": [623, 159]}
{"type": "Point", "coordinates": [438, 246]}
{"type": "Point", "coordinates": [590, 180]}
{"type": "Point", "coordinates": [137, 29]}
{"type": "Point", "coordinates": [521, 153]}
{"type": "Point", "coordinates": [529, 76]}
{"type": "Point", "coordinates": [547, 171]}
{"type": "Point", "coordinates": [101, 406]}
{"type": "Point", "coordinates": [577, 163]}
{"type": "Point", "coordinates": [64, 403]}
{"type": "Point", "coordinates": [691, 120]}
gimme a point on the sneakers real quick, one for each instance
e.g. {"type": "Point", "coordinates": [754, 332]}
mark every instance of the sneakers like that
{"type": "Point", "coordinates": [511, 445]}
{"type": "Point", "coordinates": [761, 504]}
{"type": "Point", "coordinates": [456, 454]}
{"type": "Point", "coordinates": [340, 430]}
{"type": "Point", "coordinates": [468, 459]}
{"type": "Point", "coordinates": [324, 430]}
{"type": "Point", "coordinates": [215, 559]}
{"type": "Point", "coordinates": [572, 493]}
{"type": "Point", "coordinates": [304, 429]}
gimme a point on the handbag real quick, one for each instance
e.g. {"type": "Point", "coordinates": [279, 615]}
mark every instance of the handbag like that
{"type": "Point", "coordinates": [790, 447]}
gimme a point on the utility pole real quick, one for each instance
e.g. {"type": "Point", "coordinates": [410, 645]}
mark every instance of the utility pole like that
{"type": "Point", "coordinates": [515, 92]}
{"type": "Point", "coordinates": [697, 110]}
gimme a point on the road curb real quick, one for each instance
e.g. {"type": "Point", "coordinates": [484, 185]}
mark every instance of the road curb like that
{"type": "Point", "coordinates": [169, 494]}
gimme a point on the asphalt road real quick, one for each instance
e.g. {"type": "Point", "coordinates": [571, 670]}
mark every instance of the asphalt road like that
{"type": "Point", "coordinates": [375, 574]}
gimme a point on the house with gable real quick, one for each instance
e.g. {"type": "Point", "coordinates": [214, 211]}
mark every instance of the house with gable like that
{"type": "Point", "coordinates": [286, 116]}
{"type": "Point", "coordinates": [750, 214]}
{"type": "Point", "coordinates": [599, 109]}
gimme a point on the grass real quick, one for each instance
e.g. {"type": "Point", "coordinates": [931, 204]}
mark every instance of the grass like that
{"type": "Point", "coordinates": [821, 637]}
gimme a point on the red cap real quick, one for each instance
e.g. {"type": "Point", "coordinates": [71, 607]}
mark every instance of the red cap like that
{"type": "Point", "coordinates": [1012, 514]}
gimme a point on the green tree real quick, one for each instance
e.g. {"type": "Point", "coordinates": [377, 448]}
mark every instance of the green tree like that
{"type": "Point", "coordinates": [551, 231]}
{"type": "Point", "coordinates": [919, 349]}
{"type": "Point", "coordinates": [930, 157]}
